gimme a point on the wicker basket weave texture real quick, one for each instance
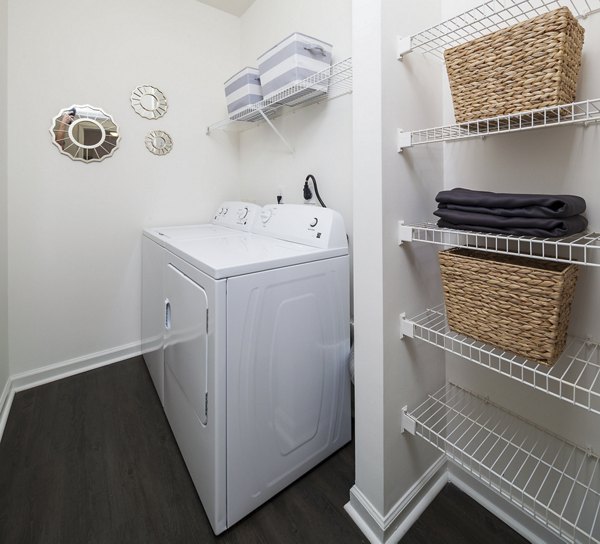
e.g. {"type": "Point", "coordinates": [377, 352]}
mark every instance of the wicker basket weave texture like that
{"type": "Point", "coordinates": [518, 304]}
{"type": "Point", "coordinates": [533, 64]}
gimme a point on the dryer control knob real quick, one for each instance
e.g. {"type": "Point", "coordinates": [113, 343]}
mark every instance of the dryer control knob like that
{"type": "Point", "coordinates": [314, 222]}
{"type": "Point", "coordinates": [243, 212]}
{"type": "Point", "coordinates": [265, 215]}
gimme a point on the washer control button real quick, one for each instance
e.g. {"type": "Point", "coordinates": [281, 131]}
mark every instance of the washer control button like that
{"type": "Point", "coordinates": [243, 212]}
{"type": "Point", "coordinates": [314, 222]}
{"type": "Point", "coordinates": [265, 215]}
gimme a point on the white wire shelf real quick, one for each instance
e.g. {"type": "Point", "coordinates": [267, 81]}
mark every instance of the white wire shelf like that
{"type": "Point", "coordinates": [582, 113]}
{"type": "Point", "coordinates": [328, 84]}
{"type": "Point", "coordinates": [484, 19]}
{"type": "Point", "coordinates": [574, 378]}
{"type": "Point", "coordinates": [582, 248]}
{"type": "Point", "coordinates": [553, 481]}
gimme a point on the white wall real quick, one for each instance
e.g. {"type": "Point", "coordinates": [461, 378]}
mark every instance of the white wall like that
{"type": "Point", "coordinates": [560, 161]}
{"type": "Point", "coordinates": [388, 186]}
{"type": "Point", "coordinates": [75, 229]}
{"type": "Point", "coordinates": [4, 370]}
{"type": "Point", "coordinates": [321, 135]}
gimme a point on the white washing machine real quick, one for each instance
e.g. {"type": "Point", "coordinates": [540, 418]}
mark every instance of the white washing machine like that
{"type": "Point", "coordinates": [232, 218]}
{"type": "Point", "coordinates": [256, 344]}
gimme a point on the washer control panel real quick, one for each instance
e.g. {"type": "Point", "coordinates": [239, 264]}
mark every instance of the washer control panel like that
{"type": "Point", "coordinates": [304, 224]}
{"type": "Point", "coordinates": [236, 215]}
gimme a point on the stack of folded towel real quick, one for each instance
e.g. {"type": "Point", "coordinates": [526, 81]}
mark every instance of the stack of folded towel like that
{"type": "Point", "coordinates": [509, 213]}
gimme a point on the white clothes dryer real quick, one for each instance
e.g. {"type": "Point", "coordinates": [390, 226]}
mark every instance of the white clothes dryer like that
{"type": "Point", "coordinates": [232, 218]}
{"type": "Point", "coordinates": [256, 344]}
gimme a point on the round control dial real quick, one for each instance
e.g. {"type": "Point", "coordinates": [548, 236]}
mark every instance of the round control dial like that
{"type": "Point", "coordinates": [265, 215]}
{"type": "Point", "coordinates": [243, 212]}
{"type": "Point", "coordinates": [314, 222]}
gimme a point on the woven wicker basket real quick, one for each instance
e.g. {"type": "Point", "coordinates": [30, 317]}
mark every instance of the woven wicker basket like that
{"type": "Point", "coordinates": [519, 304]}
{"type": "Point", "coordinates": [530, 65]}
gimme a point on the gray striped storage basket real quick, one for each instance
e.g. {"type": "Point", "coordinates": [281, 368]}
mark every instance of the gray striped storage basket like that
{"type": "Point", "coordinates": [241, 91]}
{"type": "Point", "coordinates": [285, 65]}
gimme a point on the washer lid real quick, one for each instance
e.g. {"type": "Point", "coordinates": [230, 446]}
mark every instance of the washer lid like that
{"type": "Point", "coordinates": [236, 255]}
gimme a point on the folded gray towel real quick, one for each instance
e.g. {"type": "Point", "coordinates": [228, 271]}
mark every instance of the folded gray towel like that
{"type": "Point", "coordinates": [557, 228]}
{"type": "Point", "coordinates": [511, 204]}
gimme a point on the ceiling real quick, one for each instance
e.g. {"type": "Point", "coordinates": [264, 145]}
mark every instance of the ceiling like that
{"type": "Point", "coordinates": [235, 7]}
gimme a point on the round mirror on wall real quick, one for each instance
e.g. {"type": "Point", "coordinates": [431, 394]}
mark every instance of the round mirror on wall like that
{"type": "Point", "coordinates": [85, 133]}
{"type": "Point", "coordinates": [149, 102]}
{"type": "Point", "coordinates": [159, 142]}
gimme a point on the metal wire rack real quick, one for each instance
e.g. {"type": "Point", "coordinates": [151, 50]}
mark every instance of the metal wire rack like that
{"type": "Point", "coordinates": [484, 19]}
{"type": "Point", "coordinates": [327, 84]}
{"type": "Point", "coordinates": [583, 248]}
{"type": "Point", "coordinates": [553, 481]}
{"type": "Point", "coordinates": [574, 378]}
{"type": "Point", "coordinates": [584, 112]}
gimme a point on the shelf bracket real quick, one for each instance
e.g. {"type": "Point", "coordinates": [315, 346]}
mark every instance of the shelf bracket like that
{"type": "Point", "coordinates": [404, 46]}
{"type": "Point", "coordinates": [407, 423]}
{"type": "Point", "coordinates": [407, 327]}
{"type": "Point", "coordinates": [285, 142]}
{"type": "Point", "coordinates": [405, 233]}
{"type": "Point", "coordinates": [404, 140]}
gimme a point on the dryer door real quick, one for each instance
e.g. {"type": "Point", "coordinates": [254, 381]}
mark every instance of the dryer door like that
{"type": "Point", "coordinates": [186, 397]}
{"type": "Point", "coordinates": [195, 379]}
{"type": "Point", "coordinates": [186, 346]}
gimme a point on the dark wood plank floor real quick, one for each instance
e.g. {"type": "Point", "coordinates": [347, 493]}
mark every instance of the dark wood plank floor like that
{"type": "Point", "coordinates": [91, 459]}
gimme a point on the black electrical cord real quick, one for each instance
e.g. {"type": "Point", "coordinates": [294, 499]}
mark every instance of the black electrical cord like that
{"type": "Point", "coordinates": [307, 190]}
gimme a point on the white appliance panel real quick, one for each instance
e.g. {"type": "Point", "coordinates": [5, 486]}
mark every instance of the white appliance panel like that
{"type": "Point", "coordinates": [195, 380]}
{"type": "Point", "coordinates": [288, 388]}
{"type": "Point", "coordinates": [153, 312]}
{"type": "Point", "coordinates": [309, 225]}
{"type": "Point", "coordinates": [236, 215]}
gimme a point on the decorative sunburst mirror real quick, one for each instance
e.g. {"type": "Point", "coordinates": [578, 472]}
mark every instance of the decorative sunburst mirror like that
{"type": "Point", "coordinates": [149, 102]}
{"type": "Point", "coordinates": [85, 133]}
{"type": "Point", "coordinates": [159, 142]}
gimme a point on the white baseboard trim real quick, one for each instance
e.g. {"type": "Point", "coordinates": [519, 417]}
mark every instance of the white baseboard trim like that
{"type": "Point", "coordinates": [510, 514]}
{"type": "Point", "coordinates": [57, 371]}
{"type": "Point", "coordinates": [5, 404]}
{"type": "Point", "coordinates": [388, 529]}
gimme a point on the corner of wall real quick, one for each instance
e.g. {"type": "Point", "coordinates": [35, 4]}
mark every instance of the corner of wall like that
{"type": "Point", "coordinates": [391, 372]}
{"type": "Point", "coordinates": [4, 366]}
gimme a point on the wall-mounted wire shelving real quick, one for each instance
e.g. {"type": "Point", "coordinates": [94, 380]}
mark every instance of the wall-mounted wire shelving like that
{"type": "Point", "coordinates": [576, 113]}
{"type": "Point", "coordinates": [582, 248]}
{"type": "Point", "coordinates": [484, 19]}
{"type": "Point", "coordinates": [477, 22]}
{"type": "Point", "coordinates": [574, 378]}
{"type": "Point", "coordinates": [327, 84]}
{"type": "Point", "coordinates": [553, 481]}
